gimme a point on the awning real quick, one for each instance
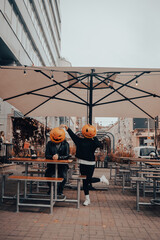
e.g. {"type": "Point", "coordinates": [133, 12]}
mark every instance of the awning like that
{"type": "Point", "coordinates": [82, 91]}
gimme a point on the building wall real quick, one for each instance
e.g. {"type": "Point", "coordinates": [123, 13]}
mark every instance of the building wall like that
{"type": "Point", "coordinates": [31, 31]}
{"type": "Point", "coordinates": [30, 34]}
{"type": "Point", "coordinates": [129, 135]}
{"type": "Point", "coordinates": [6, 111]}
{"type": "Point", "coordinates": [122, 131]}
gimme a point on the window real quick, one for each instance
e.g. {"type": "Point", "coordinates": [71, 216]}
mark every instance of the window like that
{"type": "Point", "coordinates": [146, 151]}
{"type": "Point", "coordinates": [141, 141]}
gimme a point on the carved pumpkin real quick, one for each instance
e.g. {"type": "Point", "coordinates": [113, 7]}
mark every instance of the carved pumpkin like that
{"type": "Point", "coordinates": [57, 135]}
{"type": "Point", "coordinates": [88, 131]}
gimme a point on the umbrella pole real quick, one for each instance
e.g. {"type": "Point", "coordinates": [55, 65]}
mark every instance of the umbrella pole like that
{"type": "Point", "coordinates": [156, 122]}
{"type": "Point", "coordinates": [91, 96]}
{"type": "Point", "coordinates": [46, 131]}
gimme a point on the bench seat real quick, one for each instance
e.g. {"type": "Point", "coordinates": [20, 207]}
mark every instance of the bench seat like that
{"type": "Point", "coordinates": [38, 179]}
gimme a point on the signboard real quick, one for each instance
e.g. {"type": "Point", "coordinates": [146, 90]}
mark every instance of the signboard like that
{"type": "Point", "coordinates": [149, 141]}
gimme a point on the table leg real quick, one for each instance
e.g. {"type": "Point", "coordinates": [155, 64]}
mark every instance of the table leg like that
{"type": "Point", "coordinates": [18, 186]}
{"type": "Point", "coordinates": [3, 187]}
{"type": "Point", "coordinates": [115, 179]}
{"type": "Point", "coordinates": [154, 188]}
{"type": "Point", "coordinates": [25, 183]}
{"type": "Point", "coordinates": [78, 192]}
{"type": "Point", "coordinates": [137, 200]}
{"type": "Point", "coordinates": [56, 175]}
{"type": "Point", "coordinates": [144, 189]}
{"type": "Point", "coordinates": [110, 172]}
{"type": "Point", "coordinates": [51, 199]}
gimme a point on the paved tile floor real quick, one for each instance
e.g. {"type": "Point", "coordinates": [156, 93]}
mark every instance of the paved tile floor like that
{"type": "Point", "coordinates": [112, 215]}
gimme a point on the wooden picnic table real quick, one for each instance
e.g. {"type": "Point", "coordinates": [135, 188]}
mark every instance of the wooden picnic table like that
{"type": "Point", "coordinates": [138, 160]}
{"type": "Point", "coordinates": [40, 160]}
{"type": "Point", "coordinates": [27, 161]}
{"type": "Point", "coordinates": [153, 164]}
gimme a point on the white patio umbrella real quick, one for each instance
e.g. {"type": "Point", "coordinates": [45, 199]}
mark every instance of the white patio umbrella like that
{"type": "Point", "coordinates": [82, 91]}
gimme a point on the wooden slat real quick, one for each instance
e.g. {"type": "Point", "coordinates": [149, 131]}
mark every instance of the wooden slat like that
{"type": "Point", "coordinates": [38, 179]}
{"type": "Point", "coordinates": [78, 177]}
{"type": "Point", "coordinates": [39, 160]}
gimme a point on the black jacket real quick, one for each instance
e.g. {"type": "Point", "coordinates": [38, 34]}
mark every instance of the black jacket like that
{"type": "Point", "coordinates": [85, 147]}
{"type": "Point", "coordinates": [51, 149]}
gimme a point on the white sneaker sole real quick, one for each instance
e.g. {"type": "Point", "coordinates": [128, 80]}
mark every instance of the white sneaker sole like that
{"type": "Point", "coordinates": [86, 204]}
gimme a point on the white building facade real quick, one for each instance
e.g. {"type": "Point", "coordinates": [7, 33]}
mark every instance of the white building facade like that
{"type": "Point", "coordinates": [30, 32]}
{"type": "Point", "coordinates": [30, 35]}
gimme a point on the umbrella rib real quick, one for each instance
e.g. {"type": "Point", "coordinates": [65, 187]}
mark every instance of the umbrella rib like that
{"type": "Point", "coordinates": [29, 92]}
{"type": "Point", "coordinates": [122, 100]}
{"type": "Point", "coordinates": [138, 89]}
{"type": "Point", "coordinates": [40, 71]}
{"type": "Point", "coordinates": [118, 87]}
{"type": "Point", "coordinates": [36, 107]}
{"type": "Point", "coordinates": [67, 100]}
{"type": "Point", "coordinates": [35, 90]}
{"type": "Point", "coordinates": [58, 83]}
{"type": "Point", "coordinates": [50, 99]}
{"type": "Point", "coordinates": [133, 103]}
{"type": "Point", "coordinates": [53, 97]}
{"type": "Point", "coordinates": [80, 79]}
{"type": "Point", "coordinates": [63, 91]}
{"type": "Point", "coordinates": [70, 91]}
{"type": "Point", "coordinates": [104, 79]}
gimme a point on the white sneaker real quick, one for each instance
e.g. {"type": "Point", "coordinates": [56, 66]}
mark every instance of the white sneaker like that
{"type": "Point", "coordinates": [104, 180]}
{"type": "Point", "coordinates": [86, 202]}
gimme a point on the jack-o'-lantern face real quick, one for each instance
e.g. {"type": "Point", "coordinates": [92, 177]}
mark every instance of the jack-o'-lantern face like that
{"type": "Point", "coordinates": [57, 135]}
{"type": "Point", "coordinates": [88, 131]}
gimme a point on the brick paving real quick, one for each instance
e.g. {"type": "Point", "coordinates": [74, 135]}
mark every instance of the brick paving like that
{"type": "Point", "coordinates": [112, 215]}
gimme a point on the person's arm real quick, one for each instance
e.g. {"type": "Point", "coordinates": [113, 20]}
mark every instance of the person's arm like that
{"type": "Point", "coordinates": [47, 152]}
{"type": "Point", "coordinates": [74, 137]}
{"type": "Point", "coordinates": [66, 153]}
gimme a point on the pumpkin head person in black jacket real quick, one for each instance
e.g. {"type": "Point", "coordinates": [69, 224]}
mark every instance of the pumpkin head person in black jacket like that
{"type": "Point", "coordinates": [85, 149]}
{"type": "Point", "coordinates": [57, 149]}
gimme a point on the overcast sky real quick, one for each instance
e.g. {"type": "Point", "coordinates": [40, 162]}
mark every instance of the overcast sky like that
{"type": "Point", "coordinates": [111, 33]}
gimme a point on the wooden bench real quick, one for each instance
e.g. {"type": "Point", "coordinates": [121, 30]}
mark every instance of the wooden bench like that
{"type": "Point", "coordinates": [77, 178]}
{"type": "Point", "coordinates": [38, 179]}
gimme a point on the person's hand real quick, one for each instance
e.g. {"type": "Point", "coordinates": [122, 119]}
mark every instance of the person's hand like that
{"type": "Point", "coordinates": [63, 126]}
{"type": "Point", "coordinates": [55, 157]}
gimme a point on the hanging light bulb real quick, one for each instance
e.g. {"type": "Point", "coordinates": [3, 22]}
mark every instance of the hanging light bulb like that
{"type": "Point", "coordinates": [136, 83]}
{"type": "Point", "coordinates": [25, 70]}
{"type": "Point", "coordinates": [52, 77]}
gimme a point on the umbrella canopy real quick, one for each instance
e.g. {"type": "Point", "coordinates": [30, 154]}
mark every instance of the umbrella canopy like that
{"type": "Point", "coordinates": [82, 91]}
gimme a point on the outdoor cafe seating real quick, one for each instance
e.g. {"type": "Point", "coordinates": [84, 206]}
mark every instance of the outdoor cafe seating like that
{"type": "Point", "coordinates": [32, 183]}
{"type": "Point", "coordinates": [139, 175]}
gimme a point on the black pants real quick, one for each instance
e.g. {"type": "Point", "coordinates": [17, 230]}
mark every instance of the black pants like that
{"type": "Point", "coordinates": [62, 173]}
{"type": "Point", "coordinates": [88, 170]}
